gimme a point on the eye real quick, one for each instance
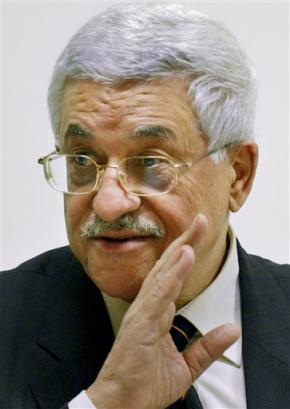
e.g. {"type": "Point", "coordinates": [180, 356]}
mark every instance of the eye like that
{"type": "Point", "coordinates": [82, 161]}
{"type": "Point", "coordinates": [149, 161]}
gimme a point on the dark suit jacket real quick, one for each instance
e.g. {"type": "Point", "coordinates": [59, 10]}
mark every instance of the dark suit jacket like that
{"type": "Point", "coordinates": [55, 332]}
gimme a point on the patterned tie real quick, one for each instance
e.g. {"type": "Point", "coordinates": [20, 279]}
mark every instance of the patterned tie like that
{"type": "Point", "coordinates": [181, 332]}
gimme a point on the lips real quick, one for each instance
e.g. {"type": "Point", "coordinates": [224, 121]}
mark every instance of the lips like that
{"type": "Point", "coordinates": [120, 235]}
{"type": "Point", "coordinates": [120, 241]}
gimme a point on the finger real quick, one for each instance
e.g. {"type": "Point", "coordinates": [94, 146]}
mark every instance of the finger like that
{"type": "Point", "coordinates": [192, 236]}
{"type": "Point", "coordinates": [195, 233]}
{"type": "Point", "coordinates": [210, 347]}
{"type": "Point", "coordinates": [163, 284]}
{"type": "Point", "coordinates": [155, 310]}
{"type": "Point", "coordinates": [159, 270]}
{"type": "Point", "coordinates": [166, 287]}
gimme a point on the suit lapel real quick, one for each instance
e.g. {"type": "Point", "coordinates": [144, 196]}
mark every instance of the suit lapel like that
{"type": "Point", "coordinates": [77, 336]}
{"type": "Point", "coordinates": [266, 333]}
{"type": "Point", "coordinates": [74, 342]}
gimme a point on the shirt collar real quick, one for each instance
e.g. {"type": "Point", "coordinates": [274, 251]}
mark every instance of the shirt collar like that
{"type": "Point", "coordinates": [219, 303]}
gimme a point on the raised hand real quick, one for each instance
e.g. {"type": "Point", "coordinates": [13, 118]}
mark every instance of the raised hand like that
{"type": "Point", "coordinates": [144, 370]}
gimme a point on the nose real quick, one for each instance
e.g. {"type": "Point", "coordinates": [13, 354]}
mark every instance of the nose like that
{"type": "Point", "coordinates": [111, 201]}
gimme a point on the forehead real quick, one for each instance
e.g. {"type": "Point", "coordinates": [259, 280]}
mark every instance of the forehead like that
{"type": "Point", "coordinates": [130, 108]}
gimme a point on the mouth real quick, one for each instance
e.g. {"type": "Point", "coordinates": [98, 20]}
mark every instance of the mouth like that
{"type": "Point", "coordinates": [120, 241]}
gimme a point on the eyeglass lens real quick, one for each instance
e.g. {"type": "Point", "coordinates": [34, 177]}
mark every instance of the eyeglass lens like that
{"type": "Point", "coordinates": [139, 175]}
{"type": "Point", "coordinates": [148, 175]}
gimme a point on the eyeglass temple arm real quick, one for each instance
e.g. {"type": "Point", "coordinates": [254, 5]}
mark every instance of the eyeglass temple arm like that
{"type": "Point", "coordinates": [227, 145]}
{"type": "Point", "coordinates": [211, 152]}
{"type": "Point", "coordinates": [42, 159]}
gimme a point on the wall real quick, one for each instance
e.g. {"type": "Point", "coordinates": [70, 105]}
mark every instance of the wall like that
{"type": "Point", "coordinates": [34, 33]}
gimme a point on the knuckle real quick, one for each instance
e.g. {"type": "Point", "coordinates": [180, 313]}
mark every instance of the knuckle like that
{"type": "Point", "coordinates": [158, 290]}
{"type": "Point", "coordinates": [203, 357]}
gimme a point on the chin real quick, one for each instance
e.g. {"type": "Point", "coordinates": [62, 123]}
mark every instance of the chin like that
{"type": "Point", "coordinates": [117, 283]}
{"type": "Point", "coordinates": [118, 275]}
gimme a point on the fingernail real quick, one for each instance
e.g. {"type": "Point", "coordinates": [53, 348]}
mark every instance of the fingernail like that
{"type": "Point", "coordinates": [199, 217]}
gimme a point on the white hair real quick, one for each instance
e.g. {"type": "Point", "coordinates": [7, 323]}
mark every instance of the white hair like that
{"type": "Point", "coordinates": [145, 41]}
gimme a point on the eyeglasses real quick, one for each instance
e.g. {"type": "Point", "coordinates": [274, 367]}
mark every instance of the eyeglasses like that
{"type": "Point", "coordinates": [138, 175]}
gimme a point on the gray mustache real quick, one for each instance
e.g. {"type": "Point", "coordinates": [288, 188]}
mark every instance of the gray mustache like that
{"type": "Point", "coordinates": [131, 222]}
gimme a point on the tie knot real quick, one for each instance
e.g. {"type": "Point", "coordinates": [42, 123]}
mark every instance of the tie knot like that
{"type": "Point", "coordinates": [181, 332]}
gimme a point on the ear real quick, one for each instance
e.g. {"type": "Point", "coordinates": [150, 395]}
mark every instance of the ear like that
{"type": "Point", "coordinates": [244, 159]}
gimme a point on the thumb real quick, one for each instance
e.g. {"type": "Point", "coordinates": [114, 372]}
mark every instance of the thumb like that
{"type": "Point", "coordinates": [202, 353]}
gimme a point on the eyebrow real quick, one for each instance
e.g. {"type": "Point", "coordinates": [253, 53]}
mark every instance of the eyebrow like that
{"type": "Point", "coordinates": [152, 131]}
{"type": "Point", "coordinates": [142, 131]}
{"type": "Point", "coordinates": [78, 131]}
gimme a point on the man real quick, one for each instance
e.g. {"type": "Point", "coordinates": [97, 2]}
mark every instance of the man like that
{"type": "Point", "coordinates": [152, 108]}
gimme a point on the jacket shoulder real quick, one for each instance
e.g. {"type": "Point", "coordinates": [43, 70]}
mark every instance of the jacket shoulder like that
{"type": "Point", "coordinates": [49, 262]}
{"type": "Point", "coordinates": [27, 276]}
{"type": "Point", "coordinates": [263, 269]}
{"type": "Point", "coordinates": [277, 270]}
{"type": "Point", "coordinates": [261, 263]}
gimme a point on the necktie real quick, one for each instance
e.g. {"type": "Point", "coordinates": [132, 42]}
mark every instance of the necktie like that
{"type": "Point", "coordinates": [181, 332]}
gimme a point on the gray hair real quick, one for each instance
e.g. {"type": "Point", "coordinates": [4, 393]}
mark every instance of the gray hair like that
{"type": "Point", "coordinates": [145, 41]}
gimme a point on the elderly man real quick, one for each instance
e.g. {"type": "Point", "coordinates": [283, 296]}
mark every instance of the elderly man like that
{"type": "Point", "coordinates": [152, 108]}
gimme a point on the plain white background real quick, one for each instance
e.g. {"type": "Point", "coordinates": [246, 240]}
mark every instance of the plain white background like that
{"type": "Point", "coordinates": [34, 33]}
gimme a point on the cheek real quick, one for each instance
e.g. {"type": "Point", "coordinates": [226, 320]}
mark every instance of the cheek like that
{"type": "Point", "coordinates": [211, 196]}
{"type": "Point", "coordinates": [176, 210]}
{"type": "Point", "coordinates": [77, 210]}
{"type": "Point", "coordinates": [217, 191]}
{"type": "Point", "coordinates": [206, 192]}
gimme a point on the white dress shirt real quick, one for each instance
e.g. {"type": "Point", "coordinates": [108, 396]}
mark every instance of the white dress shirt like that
{"type": "Point", "coordinates": [222, 385]}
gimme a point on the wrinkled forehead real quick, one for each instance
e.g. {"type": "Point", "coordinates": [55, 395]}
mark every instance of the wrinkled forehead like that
{"type": "Point", "coordinates": [161, 106]}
